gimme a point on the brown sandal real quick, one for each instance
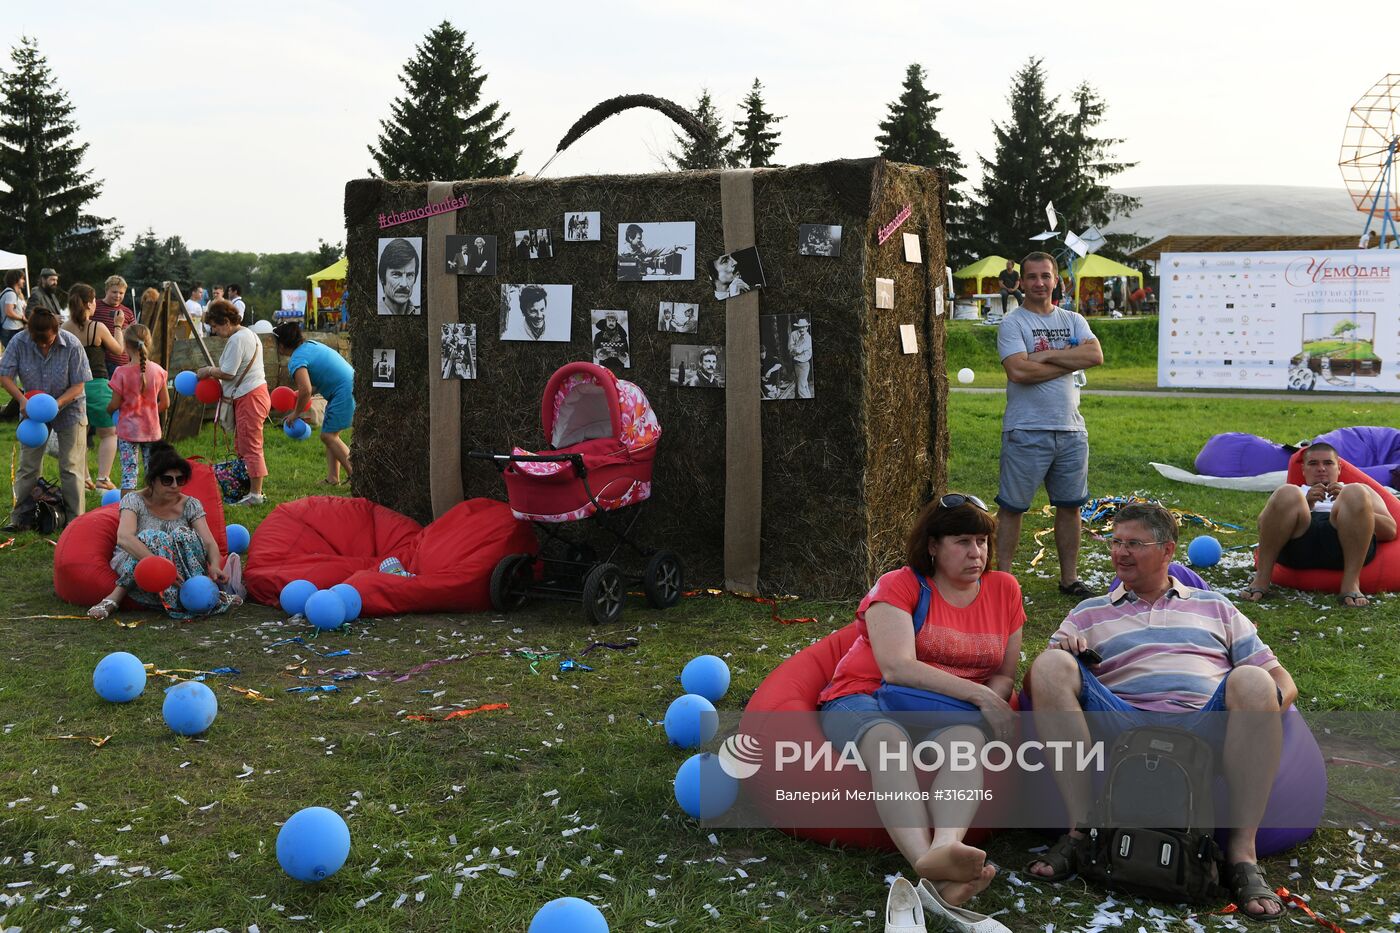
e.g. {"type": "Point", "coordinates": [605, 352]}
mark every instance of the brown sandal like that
{"type": "Point", "coordinates": [1247, 884]}
{"type": "Point", "coordinates": [1061, 857]}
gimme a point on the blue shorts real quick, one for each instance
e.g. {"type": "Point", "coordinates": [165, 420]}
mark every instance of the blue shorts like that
{"type": "Point", "coordinates": [1058, 459]}
{"type": "Point", "coordinates": [340, 411]}
{"type": "Point", "coordinates": [846, 719]}
{"type": "Point", "coordinates": [1113, 714]}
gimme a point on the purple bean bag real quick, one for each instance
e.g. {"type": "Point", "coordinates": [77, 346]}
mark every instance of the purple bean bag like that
{"type": "Point", "coordinates": [1238, 454]}
{"type": "Point", "coordinates": [1177, 571]}
{"type": "Point", "coordinates": [1374, 451]}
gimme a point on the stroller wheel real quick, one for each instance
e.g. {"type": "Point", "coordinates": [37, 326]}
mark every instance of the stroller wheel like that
{"type": "Point", "coordinates": [602, 594]}
{"type": "Point", "coordinates": [510, 582]}
{"type": "Point", "coordinates": [663, 579]}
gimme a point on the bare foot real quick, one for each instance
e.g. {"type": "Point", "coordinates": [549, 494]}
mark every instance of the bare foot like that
{"type": "Point", "coordinates": [956, 861]}
{"type": "Point", "coordinates": [1256, 590]}
{"type": "Point", "coordinates": [957, 893]}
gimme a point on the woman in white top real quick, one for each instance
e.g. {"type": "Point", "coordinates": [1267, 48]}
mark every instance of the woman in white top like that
{"type": "Point", "coordinates": [241, 371]}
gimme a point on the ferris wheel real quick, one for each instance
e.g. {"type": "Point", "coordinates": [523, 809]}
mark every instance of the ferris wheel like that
{"type": "Point", "coordinates": [1368, 159]}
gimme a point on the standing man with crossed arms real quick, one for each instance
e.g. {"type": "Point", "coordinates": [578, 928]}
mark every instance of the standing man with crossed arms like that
{"type": "Point", "coordinates": [1043, 438]}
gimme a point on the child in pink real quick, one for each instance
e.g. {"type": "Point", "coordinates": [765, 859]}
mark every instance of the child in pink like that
{"type": "Point", "coordinates": [139, 395]}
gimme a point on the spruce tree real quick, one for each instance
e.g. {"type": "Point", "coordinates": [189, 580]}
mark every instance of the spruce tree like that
{"type": "Point", "coordinates": [1086, 161]}
{"type": "Point", "coordinates": [146, 268]}
{"type": "Point", "coordinates": [45, 195]}
{"type": "Point", "coordinates": [440, 129]}
{"type": "Point", "coordinates": [1023, 174]}
{"type": "Point", "coordinates": [757, 141]}
{"type": "Point", "coordinates": [908, 134]}
{"type": "Point", "coordinates": [715, 151]}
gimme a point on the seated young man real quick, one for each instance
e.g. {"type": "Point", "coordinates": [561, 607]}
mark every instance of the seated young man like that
{"type": "Point", "coordinates": [1321, 524]}
{"type": "Point", "coordinates": [1203, 656]}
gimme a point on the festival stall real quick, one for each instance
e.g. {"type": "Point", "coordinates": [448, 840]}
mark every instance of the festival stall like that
{"type": "Point", "coordinates": [982, 277]}
{"type": "Point", "coordinates": [1089, 273]}
{"type": "Point", "coordinates": [327, 293]}
{"type": "Point", "coordinates": [800, 391]}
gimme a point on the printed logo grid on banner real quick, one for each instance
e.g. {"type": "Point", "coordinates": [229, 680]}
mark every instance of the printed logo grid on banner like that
{"type": "Point", "coordinates": [1299, 321]}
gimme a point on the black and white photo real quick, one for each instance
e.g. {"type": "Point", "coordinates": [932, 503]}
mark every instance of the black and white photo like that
{"type": "Point", "coordinates": [534, 244]}
{"type": "Point", "coordinates": [913, 251]}
{"type": "Point", "coordinates": [735, 273]}
{"type": "Point", "coordinates": [785, 356]}
{"type": "Point", "coordinates": [818, 240]}
{"type": "Point", "coordinates": [678, 317]}
{"type": "Point", "coordinates": [699, 367]}
{"type": "Point", "coordinates": [583, 227]}
{"type": "Point", "coordinates": [537, 312]}
{"type": "Point", "coordinates": [473, 254]}
{"type": "Point", "coordinates": [399, 290]}
{"type": "Point", "coordinates": [656, 252]}
{"type": "Point", "coordinates": [459, 351]}
{"type": "Point", "coordinates": [884, 293]}
{"type": "Point", "coordinates": [383, 372]}
{"type": "Point", "coordinates": [611, 345]}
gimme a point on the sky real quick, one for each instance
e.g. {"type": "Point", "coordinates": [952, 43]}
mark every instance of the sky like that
{"type": "Point", "coordinates": [236, 126]}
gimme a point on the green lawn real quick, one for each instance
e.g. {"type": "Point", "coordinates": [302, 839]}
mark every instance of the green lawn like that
{"type": "Point", "coordinates": [471, 824]}
{"type": "Point", "coordinates": [1129, 349]}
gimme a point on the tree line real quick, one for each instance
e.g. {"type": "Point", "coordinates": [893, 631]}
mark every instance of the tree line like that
{"type": "Point", "coordinates": [443, 127]}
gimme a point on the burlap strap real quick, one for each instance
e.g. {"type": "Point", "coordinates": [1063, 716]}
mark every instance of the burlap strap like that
{"type": "Point", "coordinates": [444, 395]}
{"type": "Point", "coordinates": [743, 440]}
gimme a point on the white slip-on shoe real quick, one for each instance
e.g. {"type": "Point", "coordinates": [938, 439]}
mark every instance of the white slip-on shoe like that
{"type": "Point", "coordinates": [958, 919]}
{"type": "Point", "coordinates": [903, 912]}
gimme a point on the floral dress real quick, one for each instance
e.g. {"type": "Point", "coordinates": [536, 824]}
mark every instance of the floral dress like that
{"type": "Point", "coordinates": [174, 539]}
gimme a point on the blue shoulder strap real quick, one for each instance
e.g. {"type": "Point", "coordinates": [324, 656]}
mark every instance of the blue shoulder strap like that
{"type": "Point", "coordinates": [925, 595]}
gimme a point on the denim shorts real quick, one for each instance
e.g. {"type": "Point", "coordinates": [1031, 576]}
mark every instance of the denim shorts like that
{"type": "Point", "coordinates": [1058, 459]}
{"type": "Point", "coordinates": [846, 719]}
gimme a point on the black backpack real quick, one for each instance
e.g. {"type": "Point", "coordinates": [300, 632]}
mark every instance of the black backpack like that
{"type": "Point", "coordinates": [45, 511]}
{"type": "Point", "coordinates": [1158, 778]}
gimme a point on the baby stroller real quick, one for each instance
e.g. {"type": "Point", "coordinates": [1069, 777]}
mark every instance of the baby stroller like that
{"type": "Point", "coordinates": [602, 438]}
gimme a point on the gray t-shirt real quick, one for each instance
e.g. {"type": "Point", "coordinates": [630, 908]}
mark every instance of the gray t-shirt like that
{"type": "Point", "coordinates": [1052, 405]}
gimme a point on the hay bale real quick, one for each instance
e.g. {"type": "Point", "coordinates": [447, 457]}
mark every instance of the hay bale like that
{"type": "Point", "coordinates": [843, 473]}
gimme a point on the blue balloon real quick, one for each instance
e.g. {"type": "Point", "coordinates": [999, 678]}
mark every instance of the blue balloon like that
{"type": "Point", "coordinates": [199, 594]}
{"type": "Point", "coordinates": [119, 678]}
{"type": "Point", "coordinates": [41, 407]}
{"type": "Point", "coordinates": [351, 597]}
{"type": "Point", "coordinates": [1204, 551]}
{"type": "Point", "coordinates": [568, 915]}
{"type": "Point", "coordinates": [190, 708]}
{"type": "Point", "coordinates": [703, 788]}
{"type": "Point", "coordinates": [238, 539]}
{"type": "Point", "coordinates": [691, 720]}
{"type": "Point", "coordinates": [298, 430]}
{"type": "Point", "coordinates": [295, 594]}
{"type": "Point", "coordinates": [313, 844]}
{"type": "Point", "coordinates": [708, 676]}
{"type": "Point", "coordinates": [186, 381]}
{"type": "Point", "coordinates": [111, 495]}
{"type": "Point", "coordinates": [32, 433]}
{"type": "Point", "coordinates": [325, 609]}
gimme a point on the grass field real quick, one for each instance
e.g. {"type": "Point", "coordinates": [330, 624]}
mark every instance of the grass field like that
{"type": "Point", "coordinates": [1129, 350]}
{"type": "Point", "coordinates": [471, 824]}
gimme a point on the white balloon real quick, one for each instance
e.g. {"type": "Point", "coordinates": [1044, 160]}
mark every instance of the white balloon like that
{"type": "Point", "coordinates": [261, 327]}
{"type": "Point", "coordinates": [965, 375]}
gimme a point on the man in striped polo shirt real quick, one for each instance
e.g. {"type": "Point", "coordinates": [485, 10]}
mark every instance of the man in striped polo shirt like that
{"type": "Point", "coordinates": [1165, 647]}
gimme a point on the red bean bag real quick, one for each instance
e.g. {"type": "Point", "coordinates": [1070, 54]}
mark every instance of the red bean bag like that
{"type": "Point", "coordinates": [792, 689]}
{"type": "Point", "coordinates": [331, 539]}
{"type": "Point", "coordinates": [82, 572]}
{"type": "Point", "coordinates": [1381, 575]}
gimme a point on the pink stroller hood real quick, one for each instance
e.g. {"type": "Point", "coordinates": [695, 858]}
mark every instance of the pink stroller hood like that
{"type": "Point", "coordinates": [584, 402]}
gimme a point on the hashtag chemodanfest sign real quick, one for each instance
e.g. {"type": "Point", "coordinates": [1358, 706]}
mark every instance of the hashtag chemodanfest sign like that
{"type": "Point", "coordinates": [440, 207]}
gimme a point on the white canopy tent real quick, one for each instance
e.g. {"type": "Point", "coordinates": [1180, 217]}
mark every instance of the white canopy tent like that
{"type": "Point", "coordinates": [10, 261]}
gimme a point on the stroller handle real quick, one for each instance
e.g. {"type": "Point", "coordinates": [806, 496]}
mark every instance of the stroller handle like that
{"type": "Point", "coordinates": [502, 459]}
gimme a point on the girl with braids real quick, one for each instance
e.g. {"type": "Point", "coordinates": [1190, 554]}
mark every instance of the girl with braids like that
{"type": "Point", "coordinates": [97, 341]}
{"type": "Point", "coordinates": [138, 392]}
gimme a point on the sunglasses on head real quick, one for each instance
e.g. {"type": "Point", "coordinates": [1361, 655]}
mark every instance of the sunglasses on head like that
{"type": "Point", "coordinates": [173, 479]}
{"type": "Point", "coordinates": [955, 499]}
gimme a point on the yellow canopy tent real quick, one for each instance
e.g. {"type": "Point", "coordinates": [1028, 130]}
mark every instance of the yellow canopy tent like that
{"type": "Point", "coordinates": [327, 288]}
{"type": "Point", "coordinates": [984, 273]}
{"type": "Point", "coordinates": [1099, 267]}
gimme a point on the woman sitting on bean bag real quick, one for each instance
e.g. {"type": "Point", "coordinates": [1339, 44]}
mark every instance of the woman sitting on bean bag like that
{"type": "Point", "coordinates": [945, 625]}
{"type": "Point", "coordinates": [161, 521]}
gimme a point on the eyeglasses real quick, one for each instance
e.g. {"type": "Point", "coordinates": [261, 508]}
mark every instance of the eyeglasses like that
{"type": "Point", "coordinates": [173, 479]}
{"type": "Point", "coordinates": [1132, 547]}
{"type": "Point", "coordinates": [955, 499]}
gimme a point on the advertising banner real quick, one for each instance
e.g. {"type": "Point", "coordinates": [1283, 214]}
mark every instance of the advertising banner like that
{"type": "Point", "coordinates": [1324, 321]}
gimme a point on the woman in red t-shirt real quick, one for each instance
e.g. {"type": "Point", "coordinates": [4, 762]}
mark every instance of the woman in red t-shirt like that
{"type": "Point", "coordinates": [966, 651]}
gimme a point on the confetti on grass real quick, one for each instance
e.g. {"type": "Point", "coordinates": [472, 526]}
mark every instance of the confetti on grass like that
{"type": "Point", "coordinates": [97, 741]}
{"type": "Point", "coordinates": [489, 707]}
